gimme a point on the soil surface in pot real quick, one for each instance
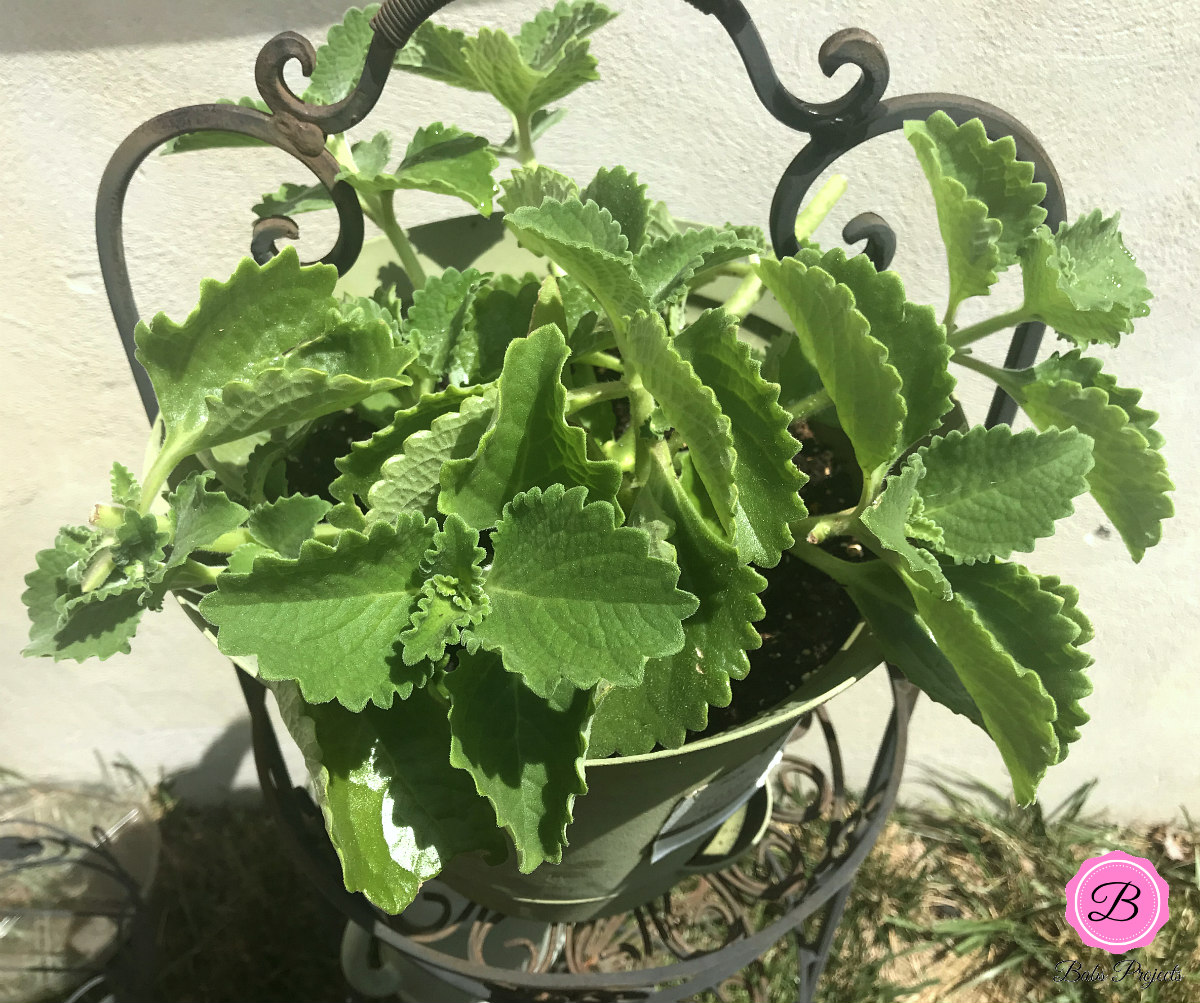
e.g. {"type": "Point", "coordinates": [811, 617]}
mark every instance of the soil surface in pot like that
{"type": "Point", "coordinates": [809, 616]}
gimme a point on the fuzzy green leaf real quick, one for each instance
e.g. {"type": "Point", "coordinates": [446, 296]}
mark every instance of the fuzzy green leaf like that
{"type": "Point", "coordinates": [342, 606]}
{"type": "Point", "coordinates": [125, 489]}
{"type": "Point", "coordinates": [1018, 712]}
{"type": "Point", "coordinates": [665, 266]}
{"type": "Point", "coordinates": [439, 53]}
{"type": "Point", "coordinates": [575, 597]}
{"type": "Point", "coordinates": [1031, 623]}
{"type": "Point", "coordinates": [1129, 479]}
{"type": "Point", "coordinates": [889, 610]}
{"type": "Point", "coordinates": [525, 751]}
{"type": "Point", "coordinates": [362, 466]}
{"type": "Point", "coordinates": [587, 243]}
{"type": "Point", "coordinates": [767, 481]}
{"type": "Point", "coordinates": [915, 341]}
{"type": "Point", "coordinates": [441, 159]}
{"type": "Point", "coordinates": [1087, 372]}
{"type": "Point", "coordinates": [543, 39]}
{"type": "Point", "coordinates": [292, 199]}
{"type": "Point", "coordinates": [987, 202]}
{"type": "Point", "coordinates": [340, 60]}
{"type": "Point", "coordinates": [396, 810]}
{"type": "Point", "coordinates": [887, 517]}
{"type": "Point", "coordinates": [439, 323]}
{"type": "Point", "coordinates": [410, 480]}
{"type": "Point", "coordinates": [618, 191]}
{"type": "Point", "coordinates": [267, 348]}
{"type": "Point", "coordinates": [453, 597]}
{"type": "Point", "coordinates": [678, 689]}
{"type": "Point", "coordinates": [692, 409]}
{"type": "Point", "coordinates": [530, 444]}
{"type": "Point", "coordinates": [502, 313]}
{"type": "Point", "coordinates": [990, 492]}
{"type": "Point", "coordinates": [1083, 282]}
{"type": "Point", "coordinates": [531, 186]}
{"type": "Point", "coordinates": [497, 62]}
{"type": "Point", "coordinates": [284, 524]}
{"type": "Point", "coordinates": [200, 516]}
{"type": "Point", "coordinates": [835, 338]}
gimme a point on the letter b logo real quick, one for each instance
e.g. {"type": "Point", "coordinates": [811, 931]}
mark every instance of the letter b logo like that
{"type": "Point", "coordinates": [1117, 902]}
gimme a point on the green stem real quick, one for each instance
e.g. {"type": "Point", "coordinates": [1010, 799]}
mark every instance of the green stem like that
{"type": "Point", "coordinates": [154, 478]}
{"type": "Point", "coordinates": [973, 332]}
{"type": "Point", "coordinates": [810, 405]}
{"type": "Point", "coordinates": [813, 214]}
{"type": "Point", "coordinates": [582, 397]}
{"type": "Point", "coordinates": [193, 574]}
{"type": "Point", "coordinates": [408, 256]}
{"type": "Point", "coordinates": [816, 529]}
{"type": "Point", "coordinates": [524, 141]}
{"type": "Point", "coordinates": [603, 360]}
{"type": "Point", "coordinates": [840, 571]}
{"type": "Point", "coordinates": [744, 297]}
{"type": "Point", "coordinates": [1004, 378]}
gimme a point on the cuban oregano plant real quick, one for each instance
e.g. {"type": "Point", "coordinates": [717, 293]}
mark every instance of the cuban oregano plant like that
{"type": "Point", "coordinates": [473, 536]}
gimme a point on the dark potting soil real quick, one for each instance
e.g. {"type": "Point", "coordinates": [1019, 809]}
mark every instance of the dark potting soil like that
{"type": "Point", "coordinates": [808, 616]}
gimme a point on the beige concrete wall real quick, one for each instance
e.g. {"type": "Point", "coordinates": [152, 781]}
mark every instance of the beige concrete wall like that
{"type": "Point", "coordinates": [1107, 86]}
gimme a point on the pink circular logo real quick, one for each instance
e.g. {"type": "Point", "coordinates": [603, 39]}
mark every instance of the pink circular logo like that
{"type": "Point", "coordinates": [1117, 902]}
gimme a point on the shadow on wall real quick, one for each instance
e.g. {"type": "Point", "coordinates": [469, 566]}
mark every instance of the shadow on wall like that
{"type": "Point", "coordinates": [211, 779]}
{"type": "Point", "coordinates": [76, 25]}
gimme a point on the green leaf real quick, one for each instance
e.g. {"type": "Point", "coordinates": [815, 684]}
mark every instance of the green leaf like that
{"type": "Point", "coordinates": [575, 597]}
{"type": "Point", "coordinates": [125, 489]}
{"type": "Point", "coordinates": [292, 199]}
{"type": "Point", "coordinates": [396, 810]}
{"type": "Point", "coordinates": [767, 481]}
{"type": "Point", "coordinates": [1087, 372]}
{"type": "Point", "coordinates": [1129, 478]}
{"type": "Point", "coordinates": [784, 363]}
{"type": "Point", "coordinates": [530, 444]}
{"type": "Point", "coordinates": [835, 338]}
{"type": "Point", "coordinates": [343, 607]}
{"type": "Point", "coordinates": [200, 516]}
{"type": "Point", "coordinates": [371, 155]}
{"type": "Point", "coordinates": [245, 359]}
{"type": "Point", "coordinates": [587, 243]}
{"type": "Point", "coordinates": [889, 610]}
{"type": "Point", "coordinates": [340, 60]}
{"type": "Point", "coordinates": [915, 341]}
{"type": "Point", "coordinates": [987, 202]}
{"type": "Point", "coordinates": [213, 139]}
{"type": "Point", "coordinates": [96, 628]}
{"type": "Point", "coordinates": [692, 410]}
{"type": "Point", "coordinates": [410, 480]}
{"type": "Point", "coordinates": [524, 750]}
{"type": "Point", "coordinates": [1018, 712]}
{"type": "Point", "coordinates": [618, 191]}
{"type": "Point", "coordinates": [362, 466]}
{"type": "Point", "coordinates": [1031, 623]}
{"type": "Point", "coordinates": [438, 52]}
{"type": "Point", "coordinates": [1083, 282]}
{"type": "Point", "coordinates": [549, 308]}
{"type": "Point", "coordinates": [543, 40]}
{"type": "Point", "coordinates": [665, 266]}
{"type": "Point", "coordinates": [503, 309]}
{"type": "Point", "coordinates": [887, 517]}
{"type": "Point", "coordinates": [499, 65]}
{"type": "Point", "coordinates": [991, 492]}
{"type": "Point", "coordinates": [530, 186]}
{"type": "Point", "coordinates": [285, 524]}
{"type": "Point", "coordinates": [678, 689]}
{"type": "Point", "coordinates": [441, 159]}
{"type": "Point", "coordinates": [453, 597]}
{"type": "Point", "coordinates": [439, 323]}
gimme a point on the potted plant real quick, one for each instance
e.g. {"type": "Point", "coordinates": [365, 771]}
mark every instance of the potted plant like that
{"type": "Point", "coordinates": [493, 537]}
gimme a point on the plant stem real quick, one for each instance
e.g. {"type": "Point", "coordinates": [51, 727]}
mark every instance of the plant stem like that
{"type": "Point", "coordinates": [744, 297]}
{"type": "Point", "coordinates": [524, 141]}
{"type": "Point", "coordinates": [1004, 378]}
{"type": "Point", "coordinates": [582, 397]}
{"type": "Point", "coordinates": [810, 405]}
{"type": "Point", "coordinates": [191, 574]}
{"type": "Point", "coordinates": [408, 256]}
{"type": "Point", "coordinates": [603, 360]}
{"type": "Point", "coordinates": [964, 336]}
{"type": "Point", "coordinates": [834, 567]}
{"type": "Point", "coordinates": [813, 214]}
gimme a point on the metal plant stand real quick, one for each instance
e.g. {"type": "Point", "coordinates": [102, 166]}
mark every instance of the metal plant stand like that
{"type": "Point", "coordinates": [777, 874]}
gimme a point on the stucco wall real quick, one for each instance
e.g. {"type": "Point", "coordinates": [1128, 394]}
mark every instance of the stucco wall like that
{"type": "Point", "coordinates": [1107, 86]}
